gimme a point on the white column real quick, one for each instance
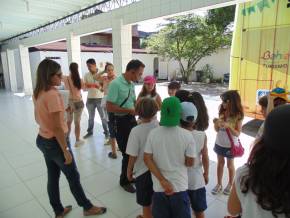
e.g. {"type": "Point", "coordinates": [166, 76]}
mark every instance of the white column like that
{"type": "Point", "coordinates": [122, 45]}
{"type": "Point", "coordinates": [25, 66]}
{"type": "Point", "coordinates": [12, 71]}
{"type": "Point", "coordinates": [5, 70]}
{"type": "Point", "coordinates": [73, 45]}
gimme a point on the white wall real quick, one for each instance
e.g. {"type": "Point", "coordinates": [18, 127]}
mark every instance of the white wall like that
{"type": "Point", "coordinates": [219, 61]}
{"type": "Point", "coordinates": [101, 59]}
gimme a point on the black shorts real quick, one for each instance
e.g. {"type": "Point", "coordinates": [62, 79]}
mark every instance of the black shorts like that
{"type": "Point", "coordinates": [144, 189]}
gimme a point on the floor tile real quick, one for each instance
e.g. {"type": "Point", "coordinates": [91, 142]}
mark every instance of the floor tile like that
{"type": "Point", "coordinates": [29, 209]}
{"type": "Point", "coordinates": [14, 196]}
{"type": "Point", "coordinates": [120, 202]}
{"type": "Point", "coordinates": [8, 179]}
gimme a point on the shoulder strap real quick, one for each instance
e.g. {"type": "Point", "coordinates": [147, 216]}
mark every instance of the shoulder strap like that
{"type": "Point", "coordinates": [126, 98]}
{"type": "Point", "coordinates": [230, 137]}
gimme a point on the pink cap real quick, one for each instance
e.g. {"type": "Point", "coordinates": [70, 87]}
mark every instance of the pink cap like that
{"type": "Point", "coordinates": [149, 79]}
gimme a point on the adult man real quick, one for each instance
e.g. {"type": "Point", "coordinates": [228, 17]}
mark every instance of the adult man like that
{"type": "Point", "coordinates": [121, 100]}
{"type": "Point", "coordinates": [94, 99]}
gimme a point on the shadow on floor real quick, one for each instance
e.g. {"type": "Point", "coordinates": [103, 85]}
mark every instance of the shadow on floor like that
{"type": "Point", "coordinates": [251, 128]}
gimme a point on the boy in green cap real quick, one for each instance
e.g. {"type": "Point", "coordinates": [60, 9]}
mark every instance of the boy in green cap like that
{"type": "Point", "coordinates": [168, 152]}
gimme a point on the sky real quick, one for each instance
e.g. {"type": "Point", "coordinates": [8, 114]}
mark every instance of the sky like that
{"type": "Point", "coordinates": [152, 25]}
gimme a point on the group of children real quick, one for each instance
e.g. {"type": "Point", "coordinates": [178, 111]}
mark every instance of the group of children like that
{"type": "Point", "coordinates": [169, 159]}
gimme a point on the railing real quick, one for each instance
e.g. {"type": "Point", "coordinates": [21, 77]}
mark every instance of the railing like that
{"type": "Point", "coordinates": [101, 7]}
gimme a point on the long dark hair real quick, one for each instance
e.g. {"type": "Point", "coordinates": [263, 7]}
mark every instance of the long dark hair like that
{"type": "Point", "coordinates": [45, 70]}
{"type": "Point", "coordinates": [75, 76]}
{"type": "Point", "coordinates": [269, 179]}
{"type": "Point", "coordinates": [202, 121]}
{"type": "Point", "coordinates": [143, 92]}
{"type": "Point", "coordinates": [235, 104]}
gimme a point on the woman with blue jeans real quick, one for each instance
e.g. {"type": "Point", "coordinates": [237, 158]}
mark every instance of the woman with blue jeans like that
{"type": "Point", "coordinates": [53, 142]}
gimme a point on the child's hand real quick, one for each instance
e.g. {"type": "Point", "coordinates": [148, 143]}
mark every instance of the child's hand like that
{"type": "Point", "coordinates": [205, 176]}
{"type": "Point", "coordinates": [167, 186]}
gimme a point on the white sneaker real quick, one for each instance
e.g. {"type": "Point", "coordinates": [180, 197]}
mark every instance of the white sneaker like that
{"type": "Point", "coordinates": [227, 190]}
{"type": "Point", "coordinates": [217, 189]}
{"type": "Point", "coordinates": [79, 143]}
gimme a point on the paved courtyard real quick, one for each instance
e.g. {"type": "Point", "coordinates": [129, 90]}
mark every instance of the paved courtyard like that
{"type": "Point", "coordinates": [23, 180]}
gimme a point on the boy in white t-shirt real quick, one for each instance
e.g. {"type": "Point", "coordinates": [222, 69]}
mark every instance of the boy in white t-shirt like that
{"type": "Point", "coordinates": [169, 151]}
{"type": "Point", "coordinates": [197, 174]}
{"type": "Point", "coordinates": [146, 109]}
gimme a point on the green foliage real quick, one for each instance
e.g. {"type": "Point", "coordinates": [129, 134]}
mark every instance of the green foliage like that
{"type": "Point", "coordinates": [187, 38]}
{"type": "Point", "coordinates": [221, 17]}
{"type": "Point", "coordinates": [207, 73]}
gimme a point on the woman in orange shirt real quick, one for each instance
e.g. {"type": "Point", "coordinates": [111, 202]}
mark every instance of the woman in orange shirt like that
{"type": "Point", "coordinates": [52, 140]}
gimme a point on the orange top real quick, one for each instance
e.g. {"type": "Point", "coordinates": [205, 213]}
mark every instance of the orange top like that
{"type": "Point", "coordinates": [74, 92]}
{"type": "Point", "coordinates": [47, 103]}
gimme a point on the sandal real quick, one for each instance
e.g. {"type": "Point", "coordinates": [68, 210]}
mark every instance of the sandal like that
{"type": "Point", "coordinates": [91, 212]}
{"type": "Point", "coordinates": [66, 210]}
{"type": "Point", "coordinates": [139, 216]}
{"type": "Point", "coordinates": [112, 155]}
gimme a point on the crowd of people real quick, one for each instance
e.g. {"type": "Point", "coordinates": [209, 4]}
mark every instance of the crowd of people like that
{"type": "Point", "coordinates": [166, 162]}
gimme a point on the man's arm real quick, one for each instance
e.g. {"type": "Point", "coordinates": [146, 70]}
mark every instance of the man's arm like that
{"type": "Point", "coordinates": [131, 163]}
{"type": "Point", "coordinates": [113, 108]}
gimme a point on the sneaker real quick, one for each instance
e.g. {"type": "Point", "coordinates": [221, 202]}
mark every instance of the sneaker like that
{"type": "Point", "coordinates": [79, 143]}
{"type": "Point", "coordinates": [95, 211]}
{"type": "Point", "coordinates": [217, 189]}
{"type": "Point", "coordinates": [112, 156]}
{"type": "Point", "coordinates": [227, 190]}
{"type": "Point", "coordinates": [87, 135]}
{"type": "Point", "coordinates": [129, 188]}
{"type": "Point", "coordinates": [107, 142]}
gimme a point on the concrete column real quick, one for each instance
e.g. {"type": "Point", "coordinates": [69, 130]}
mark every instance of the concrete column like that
{"type": "Point", "coordinates": [73, 45]}
{"type": "Point", "coordinates": [122, 45]}
{"type": "Point", "coordinates": [5, 70]}
{"type": "Point", "coordinates": [25, 66]}
{"type": "Point", "coordinates": [12, 71]}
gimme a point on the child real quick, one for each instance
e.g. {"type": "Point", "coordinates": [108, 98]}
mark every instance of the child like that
{"type": "Point", "coordinates": [169, 151]}
{"type": "Point", "coordinates": [229, 122]}
{"type": "Point", "coordinates": [146, 109]}
{"type": "Point", "coordinates": [107, 78]}
{"type": "Point", "coordinates": [198, 174]}
{"type": "Point", "coordinates": [263, 102]}
{"type": "Point", "coordinates": [149, 90]}
{"type": "Point", "coordinates": [261, 188]}
{"type": "Point", "coordinates": [173, 87]}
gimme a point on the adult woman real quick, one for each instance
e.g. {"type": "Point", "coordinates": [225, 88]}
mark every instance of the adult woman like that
{"type": "Point", "coordinates": [261, 188]}
{"type": "Point", "coordinates": [53, 142]}
{"type": "Point", "coordinates": [74, 84]}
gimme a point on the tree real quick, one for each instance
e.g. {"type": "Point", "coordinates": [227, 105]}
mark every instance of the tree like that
{"type": "Point", "coordinates": [187, 38]}
{"type": "Point", "coordinates": [221, 17]}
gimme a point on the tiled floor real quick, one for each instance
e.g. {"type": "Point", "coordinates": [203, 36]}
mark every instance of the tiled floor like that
{"type": "Point", "coordinates": [23, 171]}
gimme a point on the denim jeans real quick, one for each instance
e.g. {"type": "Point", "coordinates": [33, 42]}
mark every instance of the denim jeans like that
{"type": "Point", "coordinates": [124, 124]}
{"type": "Point", "coordinates": [92, 104]}
{"type": "Point", "coordinates": [54, 160]}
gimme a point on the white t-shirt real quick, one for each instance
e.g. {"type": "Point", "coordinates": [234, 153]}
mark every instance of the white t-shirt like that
{"type": "Point", "coordinates": [222, 139]}
{"type": "Point", "coordinates": [250, 207]}
{"type": "Point", "coordinates": [93, 92]}
{"type": "Point", "coordinates": [195, 173]}
{"type": "Point", "coordinates": [136, 145]}
{"type": "Point", "coordinates": [169, 146]}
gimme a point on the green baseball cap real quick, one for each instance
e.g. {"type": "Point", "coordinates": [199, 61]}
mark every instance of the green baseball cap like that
{"type": "Point", "coordinates": [170, 112]}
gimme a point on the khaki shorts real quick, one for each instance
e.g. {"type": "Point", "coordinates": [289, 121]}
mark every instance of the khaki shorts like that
{"type": "Point", "coordinates": [74, 115]}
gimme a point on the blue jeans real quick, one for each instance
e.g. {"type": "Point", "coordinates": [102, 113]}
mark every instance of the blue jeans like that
{"type": "Point", "coordinates": [171, 206]}
{"type": "Point", "coordinates": [54, 160]}
{"type": "Point", "coordinates": [92, 104]}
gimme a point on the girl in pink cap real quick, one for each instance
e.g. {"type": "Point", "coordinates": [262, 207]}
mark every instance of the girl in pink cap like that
{"type": "Point", "coordinates": [149, 91]}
